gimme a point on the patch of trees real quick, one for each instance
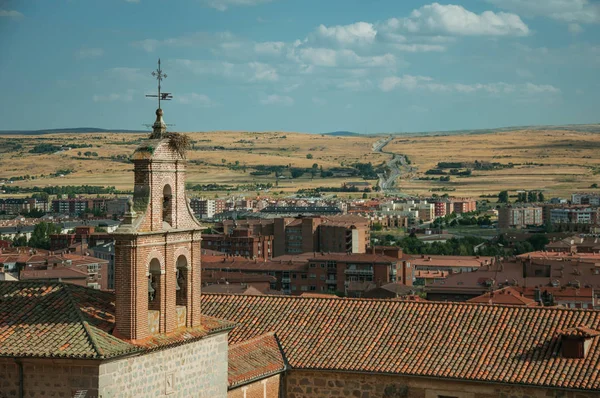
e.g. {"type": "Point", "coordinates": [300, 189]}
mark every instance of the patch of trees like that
{"type": "Point", "coordinates": [522, 197]}
{"type": "Point", "coordinates": [530, 197]}
{"type": "Point", "coordinates": [334, 189]}
{"type": "Point", "coordinates": [65, 190]}
{"type": "Point", "coordinates": [456, 172]}
{"type": "Point", "coordinates": [209, 187]}
{"type": "Point", "coordinates": [477, 165]}
{"type": "Point", "coordinates": [45, 148]}
{"type": "Point", "coordinates": [40, 237]}
{"type": "Point", "coordinates": [368, 171]}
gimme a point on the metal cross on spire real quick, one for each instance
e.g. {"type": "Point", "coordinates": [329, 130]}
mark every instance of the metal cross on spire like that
{"type": "Point", "coordinates": [160, 75]}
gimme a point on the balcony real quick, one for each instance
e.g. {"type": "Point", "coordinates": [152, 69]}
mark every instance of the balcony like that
{"type": "Point", "coordinates": [358, 272]}
{"type": "Point", "coordinates": [285, 280]}
{"type": "Point", "coordinates": [332, 281]}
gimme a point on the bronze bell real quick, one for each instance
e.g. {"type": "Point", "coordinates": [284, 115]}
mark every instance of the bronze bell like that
{"type": "Point", "coordinates": [151, 290]}
{"type": "Point", "coordinates": [177, 287]}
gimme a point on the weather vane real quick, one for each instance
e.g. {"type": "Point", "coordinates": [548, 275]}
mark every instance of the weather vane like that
{"type": "Point", "coordinates": [160, 75]}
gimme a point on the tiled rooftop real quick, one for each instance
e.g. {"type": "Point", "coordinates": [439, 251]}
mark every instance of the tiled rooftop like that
{"type": "Point", "coordinates": [255, 359]}
{"type": "Point", "coordinates": [61, 320]}
{"type": "Point", "coordinates": [503, 344]}
{"type": "Point", "coordinates": [43, 319]}
{"type": "Point", "coordinates": [507, 296]}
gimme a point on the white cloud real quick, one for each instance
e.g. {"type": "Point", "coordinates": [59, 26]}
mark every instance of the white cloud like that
{"type": "Point", "coordinates": [223, 5]}
{"type": "Point", "coordinates": [275, 99]}
{"type": "Point", "coordinates": [198, 39]}
{"type": "Point", "coordinates": [263, 72]}
{"type": "Point", "coordinates": [90, 53]}
{"type": "Point", "coordinates": [359, 33]}
{"type": "Point", "coordinates": [408, 82]}
{"type": "Point", "coordinates": [456, 20]}
{"type": "Point", "coordinates": [327, 57]}
{"type": "Point", "coordinates": [531, 88]}
{"type": "Point", "coordinates": [10, 14]}
{"type": "Point", "coordinates": [200, 100]}
{"type": "Point", "coordinates": [572, 11]}
{"type": "Point", "coordinates": [413, 48]}
{"type": "Point", "coordinates": [125, 97]}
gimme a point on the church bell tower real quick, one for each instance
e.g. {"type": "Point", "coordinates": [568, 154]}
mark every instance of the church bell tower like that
{"type": "Point", "coordinates": [157, 247]}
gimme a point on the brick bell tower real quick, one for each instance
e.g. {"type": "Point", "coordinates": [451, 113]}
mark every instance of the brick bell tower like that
{"type": "Point", "coordinates": [157, 247]}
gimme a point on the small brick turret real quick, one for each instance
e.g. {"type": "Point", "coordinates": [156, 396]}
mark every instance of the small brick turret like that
{"type": "Point", "coordinates": [157, 248]}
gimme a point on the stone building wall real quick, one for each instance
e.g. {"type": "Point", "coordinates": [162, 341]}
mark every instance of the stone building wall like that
{"type": "Point", "coordinates": [49, 378]}
{"type": "Point", "coordinates": [323, 384]}
{"type": "Point", "coordinates": [266, 388]}
{"type": "Point", "coordinates": [192, 370]}
{"type": "Point", "coordinates": [197, 369]}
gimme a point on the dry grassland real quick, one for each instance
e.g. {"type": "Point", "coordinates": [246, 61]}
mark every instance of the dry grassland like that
{"type": "Point", "coordinates": [567, 159]}
{"type": "Point", "coordinates": [556, 162]}
{"type": "Point", "coordinates": [206, 164]}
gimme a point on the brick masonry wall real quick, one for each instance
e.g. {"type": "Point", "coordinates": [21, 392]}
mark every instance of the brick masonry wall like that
{"type": "Point", "coordinates": [49, 378]}
{"type": "Point", "coordinates": [266, 388]}
{"type": "Point", "coordinates": [192, 370]}
{"type": "Point", "coordinates": [300, 384]}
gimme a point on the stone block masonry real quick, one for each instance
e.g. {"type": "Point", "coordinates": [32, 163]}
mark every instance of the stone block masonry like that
{"type": "Point", "coordinates": [331, 384]}
{"type": "Point", "coordinates": [266, 388]}
{"type": "Point", "coordinates": [196, 369]}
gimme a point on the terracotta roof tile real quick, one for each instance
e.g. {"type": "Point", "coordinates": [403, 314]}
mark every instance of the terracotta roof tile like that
{"type": "Point", "coordinates": [255, 359]}
{"type": "Point", "coordinates": [60, 320]}
{"type": "Point", "coordinates": [507, 296]}
{"type": "Point", "coordinates": [44, 319]}
{"type": "Point", "coordinates": [500, 344]}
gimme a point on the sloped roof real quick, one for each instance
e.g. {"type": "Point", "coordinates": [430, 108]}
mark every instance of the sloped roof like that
{"type": "Point", "coordinates": [503, 344]}
{"type": "Point", "coordinates": [254, 359]}
{"type": "Point", "coordinates": [507, 296]}
{"type": "Point", "coordinates": [57, 320]}
{"type": "Point", "coordinates": [60, 320]}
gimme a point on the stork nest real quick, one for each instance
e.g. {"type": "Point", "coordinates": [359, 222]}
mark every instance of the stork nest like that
{"type": "Point", "coordinates": [179, 143]}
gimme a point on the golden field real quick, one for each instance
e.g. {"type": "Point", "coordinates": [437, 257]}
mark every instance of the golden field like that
{"type": "Point", "coordinates": [553, 161]}
{"type": "Point", "coordinates": [557, 162]}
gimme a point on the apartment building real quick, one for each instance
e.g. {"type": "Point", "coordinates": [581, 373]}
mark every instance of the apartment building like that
{"type": "Point", "coordinates": [520, 216]}
{"type": "Point", "coordinates": [240, 242]}
{"type": "Point", "coordinates": [463, 205]}
{"type": "Point", "coordinates": [19, 205]}
{"type": "Point", "coordinates": [574, 215]}
{"type": "Point", "coordinates": [320, 272]}
{"type": "Point", "coordinates": [592, 199]}
{"type": "Point", "coordinates": [341, 234]}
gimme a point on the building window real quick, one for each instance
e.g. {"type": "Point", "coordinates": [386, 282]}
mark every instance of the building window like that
{"type": "Point", "coordinates": [313, 288]}
{"type": "Point", "coordinates": [313, 265]}
{"type": "Point", "coordinates": [304, 288]}
{"type": "Point", "coordinates": [313, 276]}
{"type": "Point", "coordinates": [293, 276]}
{"type": "Point", "coordinates": [304, 276]}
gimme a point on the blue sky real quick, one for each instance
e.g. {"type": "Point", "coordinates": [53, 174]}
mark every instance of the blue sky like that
{"type": "Point", "coordinates": [369, 66]}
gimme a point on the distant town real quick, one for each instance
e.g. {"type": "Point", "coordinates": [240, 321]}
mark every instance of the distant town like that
{"type": "Point", "coordinates": [435, 248]}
